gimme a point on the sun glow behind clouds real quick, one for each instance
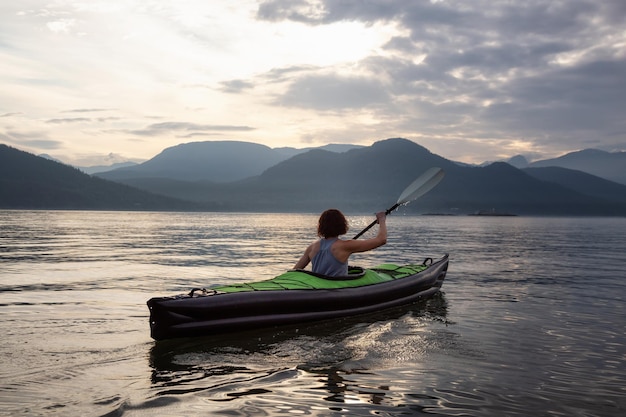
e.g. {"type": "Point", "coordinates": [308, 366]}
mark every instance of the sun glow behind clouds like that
{"type": "Point", "coordinates": [327, 45]}
{"type": "Point", "coordinates": [225, 39]}
{"type": "Point", "coordinates": [207, 42]}
{"type": "Point", "coordinates": [312, 71]}
{"type": "Point", "coordinates": [167, 61]}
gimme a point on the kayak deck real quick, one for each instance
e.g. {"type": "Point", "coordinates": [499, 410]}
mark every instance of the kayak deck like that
{"type": "Point", "coordinates": [305, 280]}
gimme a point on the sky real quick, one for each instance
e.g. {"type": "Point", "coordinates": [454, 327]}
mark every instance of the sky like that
{"type": "Point", "coordinates": [95, 82]}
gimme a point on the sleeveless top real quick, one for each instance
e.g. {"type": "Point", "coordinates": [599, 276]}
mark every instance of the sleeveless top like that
{"type": "Point", "coordinates": [325, 263]}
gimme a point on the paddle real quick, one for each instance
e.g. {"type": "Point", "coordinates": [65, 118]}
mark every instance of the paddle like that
{"type": "Point", "coordinates": [423, 184]}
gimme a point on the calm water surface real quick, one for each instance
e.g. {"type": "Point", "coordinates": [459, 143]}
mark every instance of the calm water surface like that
{"type": "Point", "coordinates": [531, 321]}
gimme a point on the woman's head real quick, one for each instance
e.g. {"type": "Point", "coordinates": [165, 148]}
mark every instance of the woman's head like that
{"type": "Point", "coordinates": [332, 223]}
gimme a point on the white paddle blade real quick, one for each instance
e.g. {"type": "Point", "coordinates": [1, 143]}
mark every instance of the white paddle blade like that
{"type": "Point", "coordinates": [423, 184]}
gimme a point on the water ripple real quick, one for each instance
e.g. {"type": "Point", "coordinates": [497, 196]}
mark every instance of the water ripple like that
{"type": "Point", "coordinates": [530, 323]}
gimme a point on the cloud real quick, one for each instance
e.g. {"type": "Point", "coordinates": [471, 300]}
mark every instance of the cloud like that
{"type": "Point", "coordinates": [86, 110]}
{"type": "Point", "coordinates": [580, 99]}
{"type": "Point", "coordinates": [36, 140]}
{"type": "Point", "coordinates": [61, 25]}
{"type": "Point", "coordinates": [98, 159]}
{"type": "Point", "coordinates": [464, 78]}
{"type": "Point", "coordinates": [329, 11]}
{"type": "Point", "coordinates": [333, 92]}
{"type": "Point", "coordinates": [296, 10]}
{"type": "Point", "coordinates": [196, 134]}
{"type": "Point", "coordinates": [289, 73]}
{"type": "Point", "coordinates": [236, 86]}
{"type": "Point", "coordinates": [544, 71]}
{"type": "Point", "coordinates": [168, 127]}
{"type": "Point", "coordinates": [108, 119]}
{"type": "Point", "coordinates": [69, 120]}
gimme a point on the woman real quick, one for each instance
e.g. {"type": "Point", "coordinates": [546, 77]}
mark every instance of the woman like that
{"type": "Point", "coordinates": [330, 254]}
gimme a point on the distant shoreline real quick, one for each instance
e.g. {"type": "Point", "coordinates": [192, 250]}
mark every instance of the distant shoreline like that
{"type": "Point", "coordinates": [492, 213]}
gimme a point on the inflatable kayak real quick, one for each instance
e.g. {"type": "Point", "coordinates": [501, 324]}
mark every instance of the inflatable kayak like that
{"type": "Point", "coordinates": [296, 296]}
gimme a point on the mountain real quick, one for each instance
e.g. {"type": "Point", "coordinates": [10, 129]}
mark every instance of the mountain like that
{"type": "Point", "coordinates": [332, 147]}
{"type": "Point", "coordinates": [31, 182]}
{"type": "Point", "coordinates": [581, 182]}
{"type": "Point", "coordinates": [608, 165]}
{"type": "Point", "coordinates": [501, 187]}
{"type": "Point", "coordinates": [218, 161]}
{"type": "Point", "coordinates": [221, 161]}
{"type": "Point", "coordinates": [314, 179]}
{"type": "Point", "coordinates": [370, 178]}
{"type": "Point", "coordinates": [360, 180]}
{"type": "Point", "coordinates": [105, 168]}
{"type": "Point", "coordinates": [45, 155]}
{"type": "Point", "coordinates": [518, 161]}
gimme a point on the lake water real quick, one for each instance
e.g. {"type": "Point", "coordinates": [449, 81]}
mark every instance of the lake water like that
{"type": "Point", "coordinates": [531, 322]}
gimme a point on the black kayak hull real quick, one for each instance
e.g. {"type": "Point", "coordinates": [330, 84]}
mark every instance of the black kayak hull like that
{"type": "Point", "coordinates": [191, 316]}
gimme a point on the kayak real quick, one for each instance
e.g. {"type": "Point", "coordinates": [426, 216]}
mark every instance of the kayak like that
{"type": "Point", "coordinates": [296, 296]}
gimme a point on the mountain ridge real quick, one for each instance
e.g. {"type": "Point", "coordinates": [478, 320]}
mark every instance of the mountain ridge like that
{"type": "Point", "coordinates": [31, 182]}
{"type": "Point", "coordinates": [358, 180]}
{"type": "Point", "coordinates": [219, 161]}
{"type": "Point", "coordinates": [374, 176]}
{"type": "Point", "coordinates": [205, 161]}
{"type": "Point", "coordinates": [608, 165]}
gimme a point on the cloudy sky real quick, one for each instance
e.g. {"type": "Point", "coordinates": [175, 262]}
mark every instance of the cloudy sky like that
{"type": "Point", "coordinates": [90, 81]}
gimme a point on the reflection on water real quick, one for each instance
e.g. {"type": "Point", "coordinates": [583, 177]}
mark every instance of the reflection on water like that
{"type": "Point", "coordinates": [531, 322]}
{"type": "Point", "coordinates": [309, 364]}
{"type": "Point", "coordinates": [336, 334]}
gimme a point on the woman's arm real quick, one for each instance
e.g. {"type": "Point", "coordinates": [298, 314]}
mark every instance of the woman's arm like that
{"type": "Point", "coordinates": [344, 248]}
{"type": "Point", "coordinates": [305, 259]}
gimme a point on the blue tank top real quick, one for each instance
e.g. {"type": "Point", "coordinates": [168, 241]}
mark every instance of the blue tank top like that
{"type": "Point", "coordinates": [324, 262]}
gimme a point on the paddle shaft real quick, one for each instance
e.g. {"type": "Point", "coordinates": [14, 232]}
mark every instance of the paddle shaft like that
{"type": "Point", "coordinates": [416, 189]}
{"type": "Point", "coordinates": [389, 210]}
